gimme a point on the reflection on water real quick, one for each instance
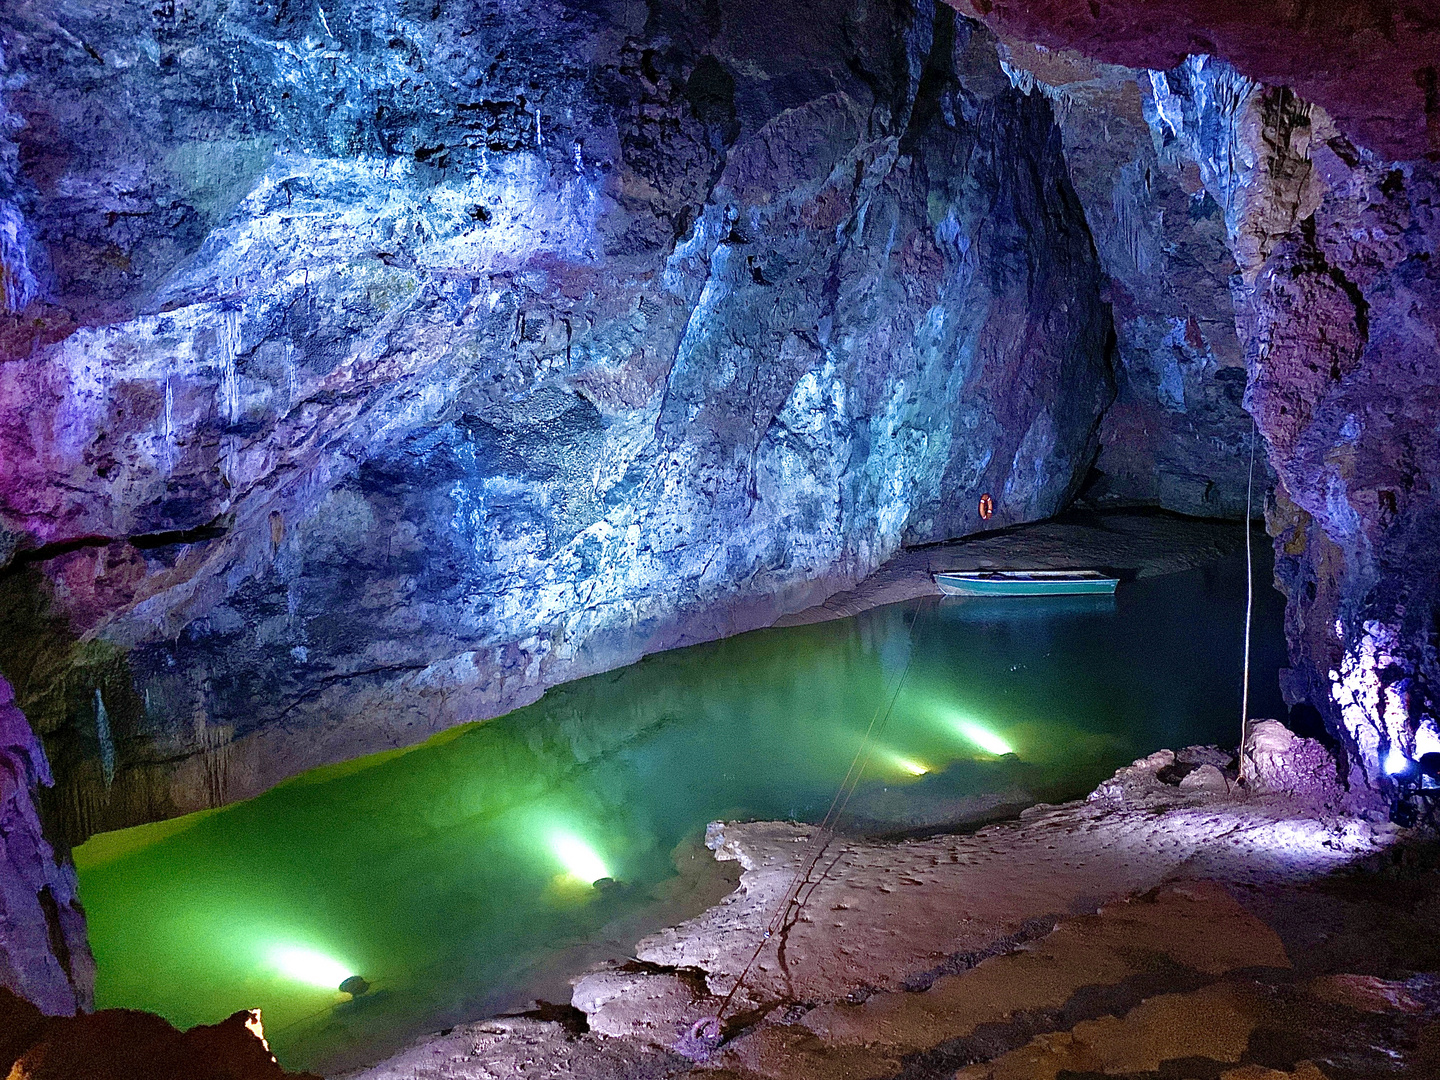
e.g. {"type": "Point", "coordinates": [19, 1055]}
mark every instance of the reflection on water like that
{"type": "Point", "coordinates": [452, 876]}
{"type": "Point", "coordinates": [1019, 609]}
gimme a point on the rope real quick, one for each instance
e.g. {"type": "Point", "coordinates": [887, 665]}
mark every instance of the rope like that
{"type": "Point", "coordinates": [820, 840]}
{"type": "Point", "coordinates": [815, 849]}
{"type": "Point", "coordinates": [1249, 603]}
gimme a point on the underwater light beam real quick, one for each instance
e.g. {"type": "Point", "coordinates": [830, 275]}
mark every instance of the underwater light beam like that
{"type": "Point", "coordinates": [579, 858]}
{"type": "Point", "coordinates": [989, 741]}
{"type": "Point", "coordinates": [309, 966]}
{"type": "Point", "coordinates": [909, 765]}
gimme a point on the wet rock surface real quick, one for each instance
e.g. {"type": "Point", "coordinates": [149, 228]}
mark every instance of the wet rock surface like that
{"type": "Point", "coordinates": [878, 912]}
{"type": "Point", "coordinates": [1336, 306]}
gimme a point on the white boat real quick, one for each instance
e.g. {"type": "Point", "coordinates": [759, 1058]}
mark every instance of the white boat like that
{"type": "Point", "coordinates": [1026, 583]}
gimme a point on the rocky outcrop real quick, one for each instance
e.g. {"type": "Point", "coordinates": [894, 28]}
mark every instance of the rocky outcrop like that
{"type": "Point", "coordinates": [44, 952]}
{"type": "Point", "coordinates": [1277, 761]}
{"type": "Point", "coordinates": [1334, 237]}
{"type": "Point", "coordinates": [894, 916]}
{"type": "Point", "coordinates": [1370, 64]}
{"type": "Point", "coordinates": [1177, 435]}
{"type": "Point", "coordinates": [1336, 302]}
{"type": "Point", "coordinates": [1344, 345]}
{"type": "Point", "coordinates": [386, 366]}
{"type": "Point", "coordinates": [124, 1044]}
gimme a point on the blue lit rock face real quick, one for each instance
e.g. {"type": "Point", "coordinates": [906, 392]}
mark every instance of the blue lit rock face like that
{"type": "Point", "coordinates": [1177, 435]}
{"type": "Point", "coordinates": [1337, 298]}
{"type": "Point", "coordinates": [387, 363]}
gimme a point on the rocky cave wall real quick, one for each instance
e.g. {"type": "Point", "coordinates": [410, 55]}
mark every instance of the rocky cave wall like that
{"type": "Point", "coordinates": [44, 952]}
{"type": "Point", "coordinates": [1332, 216]}
{"type": "Point", "coordinates": [369, 368]}
{"type": "Point", "coordinates": [1177, 435]}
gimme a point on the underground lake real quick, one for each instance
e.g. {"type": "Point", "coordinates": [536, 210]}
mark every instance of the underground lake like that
{"type": "Point", "coordinates": [474, 873]}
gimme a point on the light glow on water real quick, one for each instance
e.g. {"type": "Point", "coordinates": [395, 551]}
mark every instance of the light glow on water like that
{"type": "Point", "coordinates": [992, 742]}
{"type": "Point", "coordinates": [459, 875]}
{"type": "Point", "coordinates": [579, 859]}
{"type": "Point", "coordinates": [309, 966]}
{"type": "Point", "coordinates": [905, 764]}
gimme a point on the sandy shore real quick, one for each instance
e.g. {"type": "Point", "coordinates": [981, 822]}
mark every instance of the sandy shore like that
{"type": "Point", "coordinates": [1155, 922]}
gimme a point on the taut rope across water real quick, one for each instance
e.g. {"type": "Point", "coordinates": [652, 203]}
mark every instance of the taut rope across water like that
{"type": "Point", "coordinates": [705, 1034]}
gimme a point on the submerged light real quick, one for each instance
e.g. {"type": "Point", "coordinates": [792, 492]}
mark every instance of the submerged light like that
{"type": "Point", "coordinates": [1397, 764]}
{"type": "Point", "coordinates": [989, 741]}
{"type": "Point", "coordinates": [310, 966]}
{"type": "Point", "coordinates": [579, 858]}
{"type": "Point", "coordinates": [909, 765]}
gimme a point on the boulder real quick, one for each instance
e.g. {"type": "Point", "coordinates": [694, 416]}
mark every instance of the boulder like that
{"type": "Point", "coordinates": [124, 1044]}
{"type": "Point", "coordinates": [1205, 778]}
{"type": "Point", "coordinates": [643, 1004]}
{"type": "Point", "coordinates": [1279, 761]}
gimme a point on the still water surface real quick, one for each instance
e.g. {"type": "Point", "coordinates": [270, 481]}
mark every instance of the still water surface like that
{"type": "Point", "coordinates": [455, 877]}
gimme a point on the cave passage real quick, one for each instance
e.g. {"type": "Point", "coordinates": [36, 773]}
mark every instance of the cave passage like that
{"type": "Point", "coordinates": [456, 877]}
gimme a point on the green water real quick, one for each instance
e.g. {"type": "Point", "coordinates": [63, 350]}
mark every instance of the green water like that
{"type": "Point", "coordinates": [454, 877]}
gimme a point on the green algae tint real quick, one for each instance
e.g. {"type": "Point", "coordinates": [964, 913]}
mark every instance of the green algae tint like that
{"type": "Point", "coordinates": [457, 877]}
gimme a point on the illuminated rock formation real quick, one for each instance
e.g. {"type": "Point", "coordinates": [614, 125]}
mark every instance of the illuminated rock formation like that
{"type": "Point", "coordinates": [1332, 213]}
{"type": "Point", "coordinates": [43, 950]}
{"type": "Point", "coordinates": [387, 366]}
{"type": "Point", "coordinates": [366, 369]}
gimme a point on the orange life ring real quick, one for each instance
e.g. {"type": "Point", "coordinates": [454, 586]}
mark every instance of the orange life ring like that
{"type": "Point", "coordinates": [987, 507]}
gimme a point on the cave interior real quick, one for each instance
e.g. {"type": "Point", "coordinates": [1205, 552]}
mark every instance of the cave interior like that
{"type": "Point", "coordinates": [414, 409]}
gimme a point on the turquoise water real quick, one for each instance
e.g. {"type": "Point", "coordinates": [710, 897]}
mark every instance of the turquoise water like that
{"type": "Point", "coordinates": [457, 877]}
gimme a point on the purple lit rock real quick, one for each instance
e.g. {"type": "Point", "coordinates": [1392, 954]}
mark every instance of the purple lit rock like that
{"type": "Point", "coordinates": [44, 953]}
{"type": "Point", "coordinates": [1335, 288]}
{"type": "Point", "coordinates": [1177, 434]}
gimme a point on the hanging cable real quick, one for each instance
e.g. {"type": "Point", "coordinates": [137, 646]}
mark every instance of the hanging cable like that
{"type": "Point", "coordinates": [1249, 602]}
{"type": "Point", "coordinates": [709, 1027]}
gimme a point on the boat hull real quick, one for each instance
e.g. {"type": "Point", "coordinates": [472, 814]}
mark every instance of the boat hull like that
{"type": "Point", "coordinates": [957, 585]}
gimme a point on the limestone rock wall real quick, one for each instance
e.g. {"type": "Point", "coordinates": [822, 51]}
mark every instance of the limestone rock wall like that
{"type": "Point", "coordinates": [1342, 325]}
{"type": "Point", "coordinates": [44, 951]}
{"type": "Point", "coordinates": [1332, 218]}
{"type": "Point", "coordinates": [386, 363]}
{"type": "Point", "coordinates": [1336, 299]}
{"type": "Point", "coordinates": [1178, 435]}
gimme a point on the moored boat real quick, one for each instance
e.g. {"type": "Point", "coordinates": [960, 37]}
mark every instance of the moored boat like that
{"type": "Point", "coordinates": [1025, 583]}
